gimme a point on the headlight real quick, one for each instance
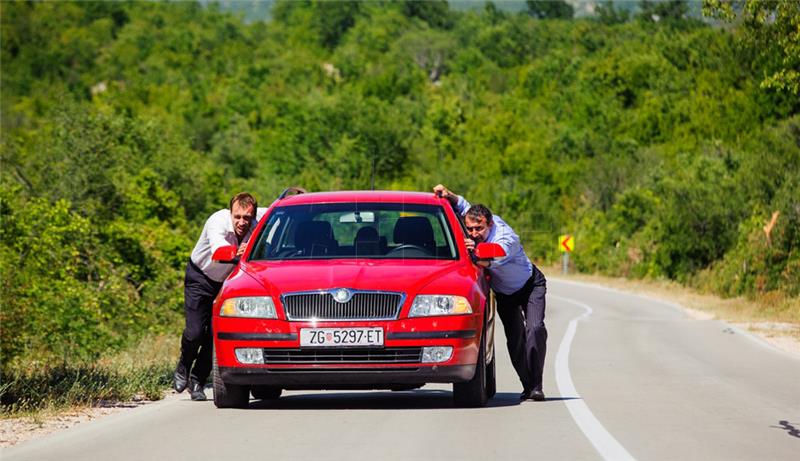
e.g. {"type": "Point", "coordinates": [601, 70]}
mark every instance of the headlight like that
{"type": "Point", "coordinates": [427, 305]}
{"type": "Point", "coordinates": [260, 307]}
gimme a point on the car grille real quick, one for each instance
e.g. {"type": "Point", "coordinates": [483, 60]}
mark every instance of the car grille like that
{"type": "Point", "coordinates": [363, 305]}
{"type": "Point", "coordinates": [343, 355]}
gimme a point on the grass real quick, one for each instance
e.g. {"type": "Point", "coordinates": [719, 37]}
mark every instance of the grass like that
{"type": "Point", "coordinates": [770, 314]}
{"type": "Point", "coordinates": [35, 388]}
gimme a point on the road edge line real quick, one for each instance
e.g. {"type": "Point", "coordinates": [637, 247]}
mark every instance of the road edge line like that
{"type": "Point", "coordinates": [606, 445]}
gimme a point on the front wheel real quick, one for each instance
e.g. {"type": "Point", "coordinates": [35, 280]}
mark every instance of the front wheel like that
{"type": "Point", "coordinates": [491, 379]}
{"type": "Point", "coordinates": [472, 393]}
{"type": "Point", "coordinates": [228, 395]}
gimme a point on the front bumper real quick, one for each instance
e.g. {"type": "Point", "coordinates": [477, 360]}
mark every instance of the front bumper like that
{"type": "Point", "coordinates": [348, 378]}
{"type": "Point", "coordinates": [280, 338]}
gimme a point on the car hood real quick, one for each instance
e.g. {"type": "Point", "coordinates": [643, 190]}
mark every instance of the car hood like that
{"type": "Point", "coordinates": [409, 276]}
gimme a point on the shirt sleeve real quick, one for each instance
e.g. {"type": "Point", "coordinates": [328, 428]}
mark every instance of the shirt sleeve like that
{"type": "Point", "coordinates": [462, 205]}
{"type": "Point", "coordinates": [509, 240]}
{"type": "Point", "coordinates": [218, 232]}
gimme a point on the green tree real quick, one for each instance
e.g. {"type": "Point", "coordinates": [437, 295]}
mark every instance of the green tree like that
{"type": "Point", "coordinates": [333, 19]}
{"type": "Point", "coordinates": [434, 12]}
{"type": "Point", "coordinates": [125, 124]}
{"type": "Point", "coordinates": [550, 9]}
{"type": "Point", "coordinates": [667, 10]}
{"type": "Point", "coordinates": [771, 28]}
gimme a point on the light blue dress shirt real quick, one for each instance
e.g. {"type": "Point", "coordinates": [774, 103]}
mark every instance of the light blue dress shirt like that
{"type": "Point", "coordinates": [509, 273]}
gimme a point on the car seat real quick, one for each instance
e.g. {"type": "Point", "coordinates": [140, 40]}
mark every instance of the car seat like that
{"type": "Point", "coordinates": [415, 230]}
{"type": "Point", "coordinates": [315, 238]}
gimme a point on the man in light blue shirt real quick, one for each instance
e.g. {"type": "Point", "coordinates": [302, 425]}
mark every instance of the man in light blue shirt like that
{"type": "Point", "coordinates": [520, 289]}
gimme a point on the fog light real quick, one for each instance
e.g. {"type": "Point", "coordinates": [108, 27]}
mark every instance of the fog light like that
{"type": "Point", "coordinates": [250, 356]}
{"type": "Point", "coordinates": [436, 354]}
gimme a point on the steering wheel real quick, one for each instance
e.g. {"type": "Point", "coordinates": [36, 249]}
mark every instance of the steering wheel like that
{"type": "Point", "coordinates": [410, 246]}
{"type": "Point", "coordinates": [290, 253]}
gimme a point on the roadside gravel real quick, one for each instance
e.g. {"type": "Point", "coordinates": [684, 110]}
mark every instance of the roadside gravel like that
{"type": "Point", "coordinates": [18, 430]}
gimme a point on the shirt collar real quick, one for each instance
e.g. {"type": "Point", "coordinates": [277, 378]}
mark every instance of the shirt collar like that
{"type": "Point", "coordinates": [492, 231]}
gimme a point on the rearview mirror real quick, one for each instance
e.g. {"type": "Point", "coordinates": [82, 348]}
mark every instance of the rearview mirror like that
{"type": "Point", "coordinates": [489, 251]}
{"type": "Point", "coordinates": [226, 254]}
{"type": "Point", "coordinates": [358, 217]}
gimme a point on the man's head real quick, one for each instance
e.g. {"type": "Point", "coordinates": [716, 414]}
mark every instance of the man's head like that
{"type": "Point", "coordinates": [243, 213]}
{"type": "Point", "coordinates": [478, 221]}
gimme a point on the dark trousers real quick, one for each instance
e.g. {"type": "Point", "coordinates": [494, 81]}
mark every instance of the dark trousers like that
{"type": "Point", "coordinates": [522, 314]}
{"type": "Point", "coordinates": [199, 292]}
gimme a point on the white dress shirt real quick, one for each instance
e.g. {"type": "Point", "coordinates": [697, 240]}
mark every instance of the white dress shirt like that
{"type": "Point", "coordinates": [218, 232]}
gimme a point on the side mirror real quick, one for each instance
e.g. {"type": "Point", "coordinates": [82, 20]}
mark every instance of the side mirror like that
{"type": "Point", "coordinates": [489, 251]}
{"type": "Point", "coordinates": [226, 254]}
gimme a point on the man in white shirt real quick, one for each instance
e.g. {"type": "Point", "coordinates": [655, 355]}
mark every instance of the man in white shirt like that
{"type": "Point", "coordinates": [203, 280]}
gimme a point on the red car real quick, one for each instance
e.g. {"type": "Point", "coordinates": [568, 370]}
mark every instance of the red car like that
{"type": "Point", "coordinates": [355, 290]}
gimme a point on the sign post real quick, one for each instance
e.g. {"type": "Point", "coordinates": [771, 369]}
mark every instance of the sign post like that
{"type": "Point", "coordinates": [566, 243]}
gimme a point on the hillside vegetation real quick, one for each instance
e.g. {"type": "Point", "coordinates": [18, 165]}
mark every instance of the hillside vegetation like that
{"type": "Point", "coordinates": [664, 146]}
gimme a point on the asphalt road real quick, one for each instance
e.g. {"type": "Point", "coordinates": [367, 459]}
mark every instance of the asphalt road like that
{"type": "Point", "coordinates": [627, 377]}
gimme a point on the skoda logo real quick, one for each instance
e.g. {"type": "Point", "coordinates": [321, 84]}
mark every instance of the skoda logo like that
{"type": "Point", "coordinates": [342, 295]}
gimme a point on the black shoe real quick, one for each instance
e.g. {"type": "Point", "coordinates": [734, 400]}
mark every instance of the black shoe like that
{"type": "Point", "coordinates": [196, 389]}
{"type": "Point", "coordinates": [535, 394]}
{"type": "Point", "coordinates": [180, 378]}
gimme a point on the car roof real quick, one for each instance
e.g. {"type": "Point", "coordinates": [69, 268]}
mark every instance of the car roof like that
{"type": "Point", "coordinates": [372, 196]}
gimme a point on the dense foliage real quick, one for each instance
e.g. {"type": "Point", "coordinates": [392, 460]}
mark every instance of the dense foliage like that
{"type": "Point", "coordinates": [124, 125]}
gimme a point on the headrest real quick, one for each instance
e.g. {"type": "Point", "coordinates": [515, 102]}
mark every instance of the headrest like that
{"type": "Point", "coordinates": [414, 230]}
{"type": "Point", "coordinates": [366, 234]}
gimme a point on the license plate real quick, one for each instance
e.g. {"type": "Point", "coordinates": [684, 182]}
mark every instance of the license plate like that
{"type": "Point", "coordinates": [340, 337]}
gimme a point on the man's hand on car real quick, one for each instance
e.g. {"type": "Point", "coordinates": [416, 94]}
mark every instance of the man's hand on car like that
{"type": "Point", "coordinates": [240, 250]}
{"type": "Point", "coordinates": [470, 244]}
{"type": "Point", "coordinates": [441, 191]}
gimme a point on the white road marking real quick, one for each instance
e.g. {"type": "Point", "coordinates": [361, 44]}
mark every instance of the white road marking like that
{"type": "Point", "coordinates": [605, 444]}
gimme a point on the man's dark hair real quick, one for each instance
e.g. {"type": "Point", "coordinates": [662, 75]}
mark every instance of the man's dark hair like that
{"type": "Point", "coordinates": [244, 200]}
{"type": "Point", "coordinates": [479, 211]}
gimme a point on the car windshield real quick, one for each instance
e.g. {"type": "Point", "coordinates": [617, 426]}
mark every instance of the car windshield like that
{"type": "Point", "coordinates": [356, 230]}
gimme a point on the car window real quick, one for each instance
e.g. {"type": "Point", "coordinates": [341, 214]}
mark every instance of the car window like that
{"type": "Point", "coordinates": [356, 230]}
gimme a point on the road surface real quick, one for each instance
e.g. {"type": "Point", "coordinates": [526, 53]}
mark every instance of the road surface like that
{"type": "Point", "coordinates": [627, 377]}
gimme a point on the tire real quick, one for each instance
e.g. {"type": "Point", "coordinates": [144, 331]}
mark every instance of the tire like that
{"type": "Point", "coordinates": [265, 392]}
{"type": "Point", "coordinates": [491, 379]}
{"type": "Point", "coordinates": [228, 395]}
{"type": "Point", "coordinates": [472, 393]}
